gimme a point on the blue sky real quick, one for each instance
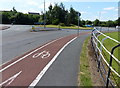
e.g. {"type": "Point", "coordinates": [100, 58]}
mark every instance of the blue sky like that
{"type": "Point", "coordinates": [90, 9]}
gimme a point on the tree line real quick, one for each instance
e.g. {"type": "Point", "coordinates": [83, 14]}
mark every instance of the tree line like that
{"type": "Point", "coordinates": [56, 15]}
{"type": "Point", "coordinates": [15, 17]}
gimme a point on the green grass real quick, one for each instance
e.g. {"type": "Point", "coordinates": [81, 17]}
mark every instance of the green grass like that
{"type": "Point", "coordinates": [109, 44]}
{"type": "Point", "coordinates": [66, 27]}
{"type": "Point", "coordinates": [84, 75]}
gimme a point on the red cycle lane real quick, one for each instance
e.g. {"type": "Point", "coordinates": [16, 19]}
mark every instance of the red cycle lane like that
{"type": "Point", "coordinates": [22, 71]}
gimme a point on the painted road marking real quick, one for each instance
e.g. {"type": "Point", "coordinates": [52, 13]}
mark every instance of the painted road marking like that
{"type": "Point", "coordinates": [28, 55]}
{"type": "Point", "coordinates": [10, 80]}
{"type": "Point", "coordinates": [38, 78]}
{"type": "Point", "coordinates": [36, 67]}
{"type": "Point", "coordinates": [43, 54]}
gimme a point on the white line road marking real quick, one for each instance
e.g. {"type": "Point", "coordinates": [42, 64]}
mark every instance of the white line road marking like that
{"type": "Point", "coordinates": [38, 78]}
{"type": "Point", "coordinates": [28, 54]}
{"type": "Point", "coordinates": [10, 80]}
{"type": "Point", "coordinates": [43, 54]}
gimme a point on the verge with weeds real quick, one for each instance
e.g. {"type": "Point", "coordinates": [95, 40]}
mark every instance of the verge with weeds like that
{"type": "Point", "coordinates": [84, 75]}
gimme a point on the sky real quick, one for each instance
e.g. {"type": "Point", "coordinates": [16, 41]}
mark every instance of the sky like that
{"type": "Point", "coordinates": [90, 9]}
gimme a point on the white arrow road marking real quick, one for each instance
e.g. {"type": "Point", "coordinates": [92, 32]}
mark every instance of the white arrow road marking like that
{"type": "Point", "coordinates": [11, 79]}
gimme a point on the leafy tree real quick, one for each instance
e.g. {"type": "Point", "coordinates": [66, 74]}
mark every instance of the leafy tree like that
{"type": "Point", "coordinates": [88, 22]}
{"type": "Point", "coordinates": [83, 22]}
{"type": "Point", "coordinates": [73, 16]}
{"type": "Point", "coordinates": [96, 22]}
{"type": "Point", "coordinates": [110, 23]}
{"type": "Point", "coordinates": [55, 22]}
{"type": "Point", "coordinates": [115, 22]}
{"type": "Point", "coordinates": [5, 18]}
{"type": "Point", "coordinates": [103, 24]}
{"type": "Point", "coordinates": [67, 19]}
{"type": "Point", "coordinates": [56, 14]}
{"type": "Point", "coordinates": [12, 19]}
{"type": "Point", "coordinates": [14, 10]}
{"type": "Point", "coordinates": [118, 21]}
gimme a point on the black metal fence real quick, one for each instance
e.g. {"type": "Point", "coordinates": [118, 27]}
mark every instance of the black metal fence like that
{"type": "Point", "coordinates": [108, 73]}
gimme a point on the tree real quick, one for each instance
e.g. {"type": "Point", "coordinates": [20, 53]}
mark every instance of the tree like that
{"type": "Point", "coordinates": [110, 23]}
{"type": "Point", "coordinates": [82, 22]}
{"type": "Point", "coordinates": [59, 15]}
{"type": "Point", "coordinates": [14, 9]}
{"type": "Point", "coordinates": [5, 18]}
{"type": "Point", "coordinates": [103, 24]}
{"type": "Point", "coordinates": [118, 21]}
{"type": "Point", "coordinates": [49, 15]}
{"type": "Point", "coordinates": [73, 16]}
{"type": "Point", "coordinates": [56, 14]}
{"type": "Point", "coordinates": [63, 13]}
{"type": "Point", "coordinates": [96, 22]}
{"type": "Point", "coordinates": [89, 22]}
{"type": "Point", "coordinates": [67, 19]}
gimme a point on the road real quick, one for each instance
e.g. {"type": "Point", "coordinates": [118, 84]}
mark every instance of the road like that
{"type": "Point", "coordinates": [18, 40]}
{"type": "Point", "coordinates": [64, 71]}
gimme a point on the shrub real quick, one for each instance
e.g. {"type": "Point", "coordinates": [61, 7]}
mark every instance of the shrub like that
{"type": "Point", "coordinates": [62, 24]}
{"type": "Point", "coordinates": [55, 22]}
{"type": "Point", "coordinates": [72, 25]}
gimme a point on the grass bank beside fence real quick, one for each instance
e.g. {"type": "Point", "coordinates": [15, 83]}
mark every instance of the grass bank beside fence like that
{"type": "Point", "coordinates": [109, 44]}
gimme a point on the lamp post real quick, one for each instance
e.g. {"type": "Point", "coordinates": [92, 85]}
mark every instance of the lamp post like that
{"type": "Point", "coordinates": [79, 14]}
{"type": "Point", "coordinates": [44, 14]}
{"type": "Point", "coordinates": [99, 21]}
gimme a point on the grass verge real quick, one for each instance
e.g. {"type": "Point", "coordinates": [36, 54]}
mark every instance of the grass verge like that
{"type": "Point", "coordinates": [84, 75]}
{"type": "Point", "coordinates": [67, 27]}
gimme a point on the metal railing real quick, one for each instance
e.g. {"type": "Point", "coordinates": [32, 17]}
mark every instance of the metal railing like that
{"type": "Point", "coordinates": [105, 66]}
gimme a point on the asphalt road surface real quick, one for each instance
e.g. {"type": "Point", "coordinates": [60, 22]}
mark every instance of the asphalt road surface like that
{"type": "Point", "coordinates": [64, 71]}
{"type": "Point", "coordinates": [18, 39]}
{"type": "Point", "coordinates": [61, 66]}
{"type": "Point", "coordinates": [45, 58]}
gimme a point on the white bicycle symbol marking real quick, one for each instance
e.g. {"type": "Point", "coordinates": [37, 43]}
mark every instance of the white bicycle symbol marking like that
{"type": "Point", "coordinates": [43, 54]}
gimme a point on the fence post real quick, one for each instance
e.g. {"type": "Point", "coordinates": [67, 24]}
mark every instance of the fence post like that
{"type": "Point", "coordinates": [110, 64]}
{"type": "Point", "coordinates": [99, 58]}
{"type": "Point", "coordinates": [108, 29]}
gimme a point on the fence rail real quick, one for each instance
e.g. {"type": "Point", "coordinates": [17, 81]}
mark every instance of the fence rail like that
{"type": "Point", "coordinates": [104, 67]}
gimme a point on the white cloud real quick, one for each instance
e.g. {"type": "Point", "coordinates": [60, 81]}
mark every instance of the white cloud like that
{"type": "Point", "coordinates": [47, 4]}
{"type": "Point", "coordinates": [109, 8]}
{"type": "Point", "coordinates": [103, 12]}
{"type": "Point", "coordinates": [88, 7]}
{"type": "Point", "coordinates": [32, 3]}
{"type": "Point", "coordinates": [5, 9]}
{"type": "Point", "coordinates": [116, 9]}
{"type": "Point", "coordinates": [83, 12]}
{"type": "Point", "coordinates": [23, 11]}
